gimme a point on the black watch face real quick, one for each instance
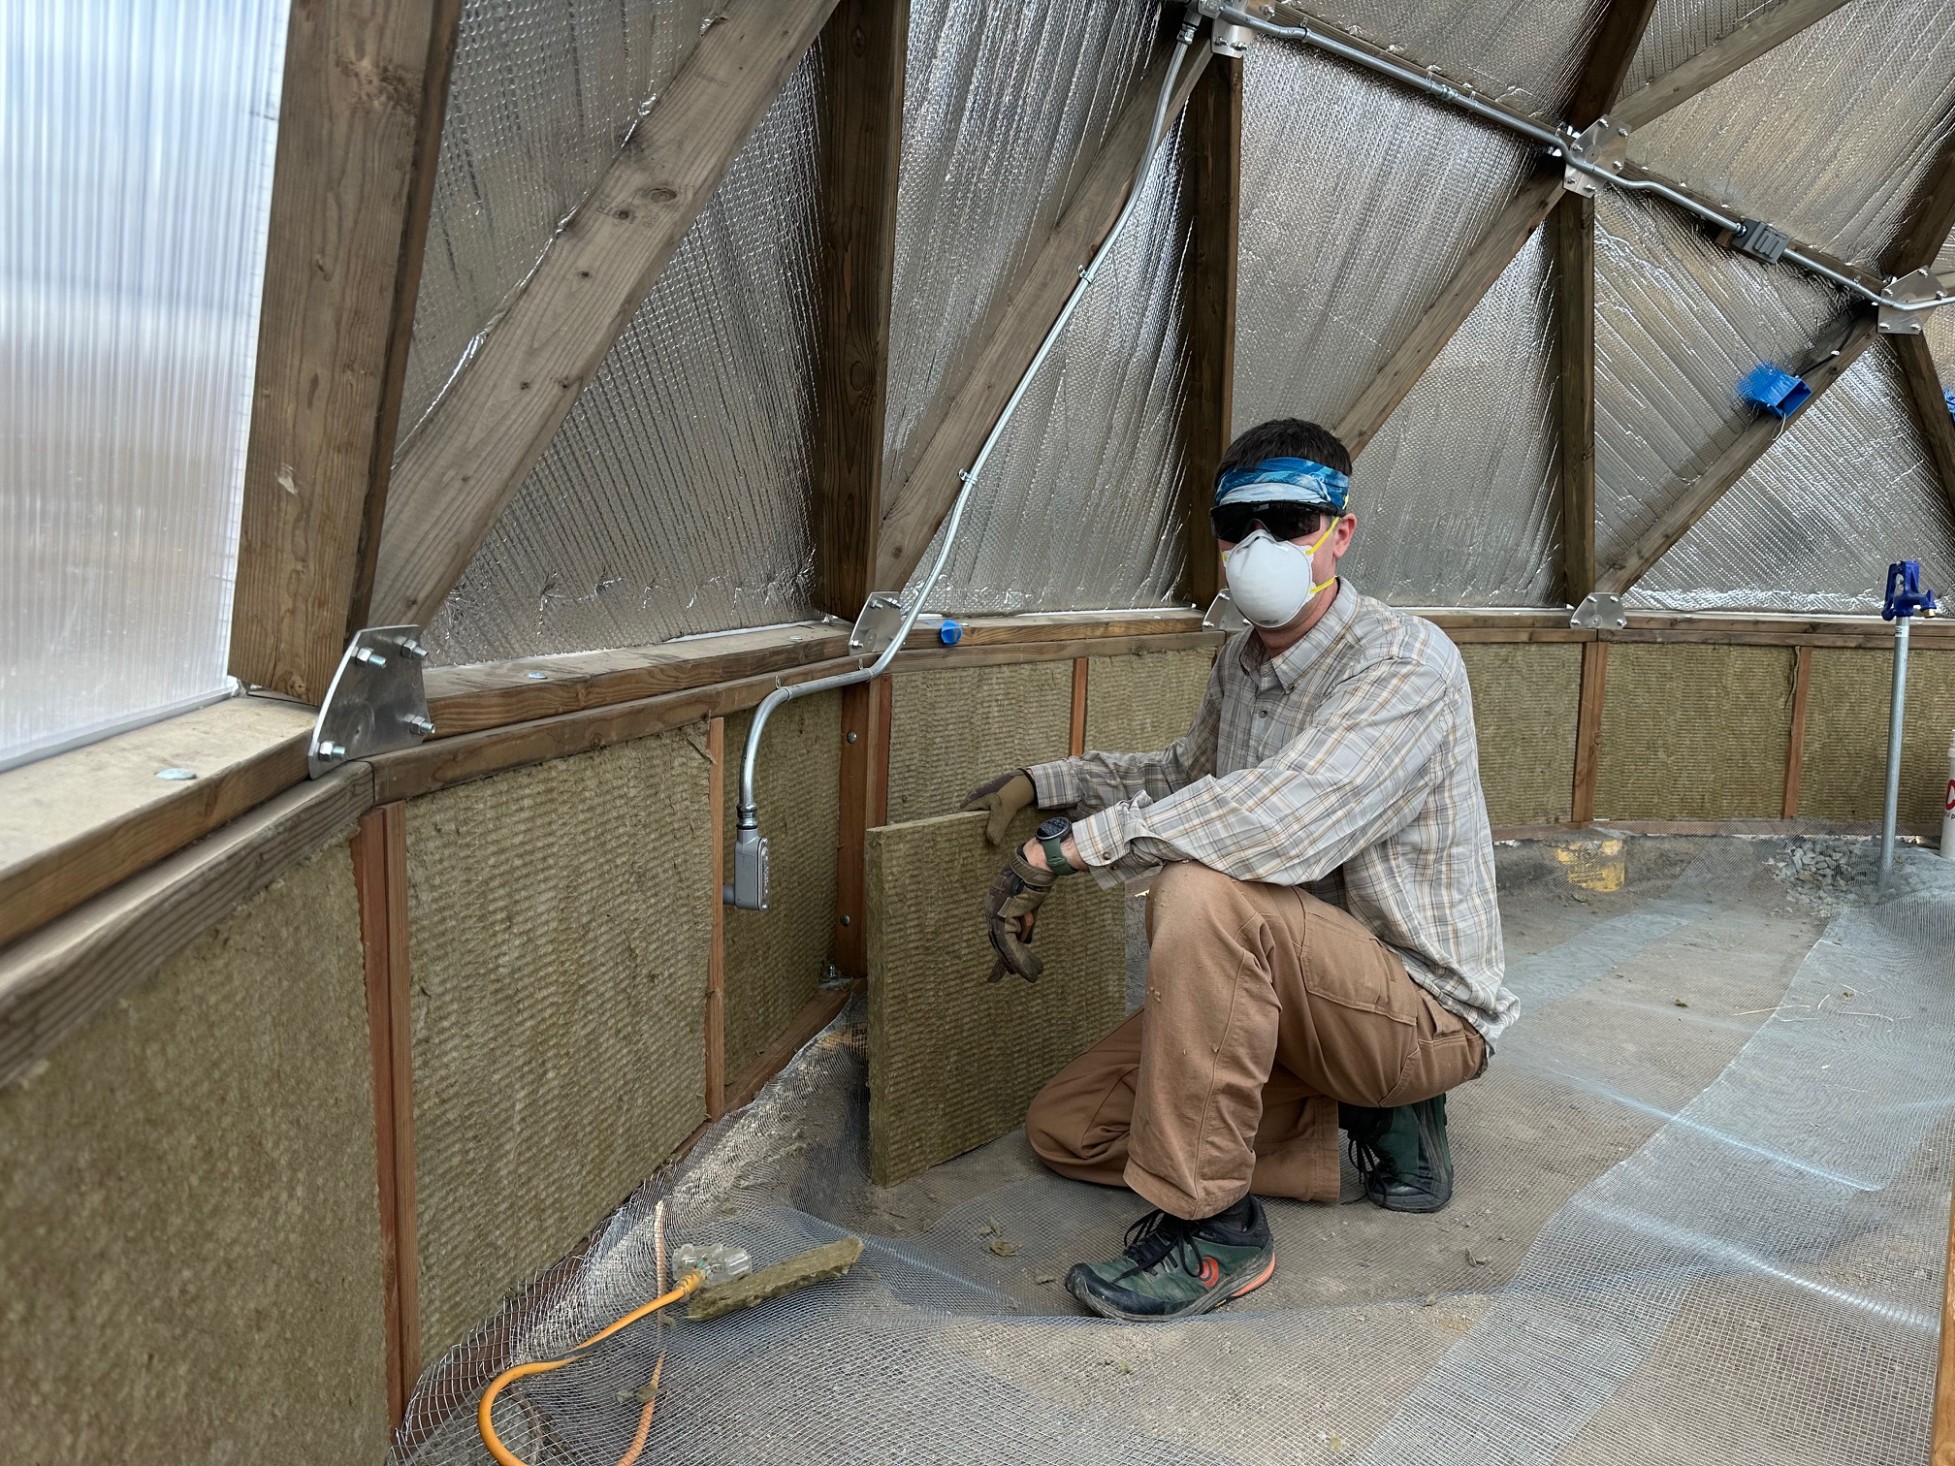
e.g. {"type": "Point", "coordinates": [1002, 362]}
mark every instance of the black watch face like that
{"type": "Point", "coordinates": [1054, 828]}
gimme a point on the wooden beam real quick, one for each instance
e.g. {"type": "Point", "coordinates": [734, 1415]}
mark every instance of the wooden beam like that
{"type": "Point", "coordinates": [1705, 487]}
{"type": "Point", "coordinates": [1930, 216]}
{"type": "Point", "coordinates": [359, 132]}
{"type": "Point", "coordinates": [1928, 408]}
{"type": "Point", "coordinates": [1472, 280]}
{"type": "Point", "coordinates": [475, 449]}
{"type": "Point", "coordinates": [1211, 150]}
{"type": "Point", "coordinates": [716, 946]}
{"type": "Point", "coordinates": [963, 413]}
{"type": "Point", "coordinates": [1574, 308]}
{"type": "Point", "coordinates": [864, 772]}
{"type": "Point", "coordinates": [1718, 60]}
{"type": "Point", "coordinates": [863, 53]}
{"type": "Point", "coordinates": [1588, 731]}
{"type": "Point", "coordinates": [815, 1015]}
{"type": "Point", "coordinates": [1076, 741]}
{"type": "Point", "coordinates": [1795, 751]}
{"type": "Point", "coordinates": [1609, 55]}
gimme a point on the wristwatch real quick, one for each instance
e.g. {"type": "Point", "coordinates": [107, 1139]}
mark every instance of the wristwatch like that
{"type": "Point", "coordinates": [1052, 835]}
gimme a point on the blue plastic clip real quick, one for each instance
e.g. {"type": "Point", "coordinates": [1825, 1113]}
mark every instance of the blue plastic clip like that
{"type": "Point", "coordinates": [950, 633]}
{"type": "Point", "coordinates": [1779, 393]}
{"type": "Point", "coordinates": [1948, 396]}
{"type": "Point", "coordinates": [1905, 597]}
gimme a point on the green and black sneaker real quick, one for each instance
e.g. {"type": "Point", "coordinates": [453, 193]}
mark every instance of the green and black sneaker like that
{"type": "Point", "coordinates": [1402, 1154]}
{"type": "Point", "coordinates": [1174, 1269]}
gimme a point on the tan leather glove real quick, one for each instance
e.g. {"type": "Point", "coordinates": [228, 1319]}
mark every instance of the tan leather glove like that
{"type": "Point", "coordinates": [1017, 893]}
{"type": "Point", "coordinates": [1002, 797]}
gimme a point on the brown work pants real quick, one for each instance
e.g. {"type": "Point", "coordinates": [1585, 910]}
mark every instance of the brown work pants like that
{"type": "Point", "coordinates": [1265, 1007]}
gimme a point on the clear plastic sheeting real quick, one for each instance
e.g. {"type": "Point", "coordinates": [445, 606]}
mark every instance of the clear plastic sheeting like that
{"type": "Point", "coordinates": [1826, 135]}
{"type": "Point", "coordinates": [1458, 497]}
{"type": "Point", "coordinates": [1678, 324]}
{"type": "Point", "coordinates": [1816, 522]}
{"type": "Point", "coordinates": [1358, 203]}
{"type": "Point", "coordinates": [1078, 508]}
{"type": "Point", "coordinates": [674, 498]}
{"type": "Point", "coordinates": [136, 148]}
{"type": "Point", "coordinates": [1679, 29]}
{"type": "Point", "coordinates": [1524, 55]}
{"type": "Point", "coordinates": [541, 95]}
{"type": "Point", "coordinates": [1004, 107]}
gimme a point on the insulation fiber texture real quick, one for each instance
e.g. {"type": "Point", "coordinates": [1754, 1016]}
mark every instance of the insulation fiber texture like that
{"type": "Point", "coordinates": [775, 959]}
{"type": "Point", "coordinates": [541, 95]}
{"type": "Point", "coordinates": [1339, 170]}
{"type": "Point", "coordinates": [674, 498]}
{"type": "Point", "coordinates": [953, 1058]}
{"type": "Point", "coordinates": [1694, 732]}
{"type": "Point", "coordinates": [1144, 700]}
{"type": "Point", "coordinates": [1679, 29]}
{"type": "Point", "coordinates": [559, 921]}
{"type": "Point", "coordinates": [189, 1241]}
{"type": "Point", "coordinates": [951, 730]}
{"type": "Point", "coordinates": [1843, 773]}
{"type": "Point", "coordinates": [1459, 495]}
{"type": "Point", "coordinates": [1526, 699]}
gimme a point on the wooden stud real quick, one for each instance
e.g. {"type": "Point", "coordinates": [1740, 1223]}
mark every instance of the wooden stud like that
{"type": "Point", "coordinates": [851, 840]}
{"type": "Point", "coordinates": [1928, 408]}
{"type": "Point", "coordinates": [1588, 731]}
{"type": "Point", "coordinates": [370, 881]}
{"type": "Point", "coordinates": [815, 1015]}
{"type": "Point", "coordinates": [1076, 745]}
{"type": "Point", "coordinates": [879, 770]}
{"type": "Point", "coordinates": [472, 454]}
{"type": "Point", "coordinates": [1574, 308]}
{"type": "Point", "coordinates": [1768, 28]}
{"type": "Point", "coordinates": [1609, 56]}
{"type": "Point", "coordinates": [359, 133]}
{"type": "Point", "coordinates": [1941, 1449]}
{"type": "Point", "coordinates": [716, 951]}
{"type": "Point", "coordinates": [1795, 752]}
{"type": "Point", "coordinates": [1211, 141]}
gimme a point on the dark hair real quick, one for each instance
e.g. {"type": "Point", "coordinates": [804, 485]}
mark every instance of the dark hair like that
{"type": "Point", "coordinates": [1286, 437]}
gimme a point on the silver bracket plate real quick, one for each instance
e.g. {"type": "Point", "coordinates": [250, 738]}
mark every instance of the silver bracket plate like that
{"type": "Point", "coordinates": [1921, 285]}
{"type": "Point", "coordinates": [1223, 616]}
{"type": "Point", "coordinates": [1602, 144]}
{"type": "Point", "coordinates": [377, 702]}
{"type": "Point", "coordinates": [876, 627]}
{"type": "Point", "coordinates": [1600, 612]}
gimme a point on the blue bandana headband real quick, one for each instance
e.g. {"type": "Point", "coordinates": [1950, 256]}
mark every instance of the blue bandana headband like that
{"type": "Point", "coordinates": [1284, 481]}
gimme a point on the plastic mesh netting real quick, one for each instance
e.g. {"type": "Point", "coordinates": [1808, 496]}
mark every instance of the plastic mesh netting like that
{"type": "Point", "coordinates": [1703, 1193]}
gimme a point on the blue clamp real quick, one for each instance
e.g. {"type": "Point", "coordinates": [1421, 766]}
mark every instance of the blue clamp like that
{"type": "Point", "coordinates": [1905, 597]}
{"type": "Point", "coordinates": [1779, 393]}
{"type": "Point", "coordinates": [950, 633]}
{"type": "Point", "coordinates": [1948, 396]}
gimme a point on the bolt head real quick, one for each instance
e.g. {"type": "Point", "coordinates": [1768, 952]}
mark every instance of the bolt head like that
{"type": "Point", "coordinates": [332, 750]}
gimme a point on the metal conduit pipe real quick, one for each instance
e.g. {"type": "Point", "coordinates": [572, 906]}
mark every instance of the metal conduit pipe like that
{"type": "Point", "coordinates": [748, 889]}
{"type": "Point", "coordinates": [1560, 142]}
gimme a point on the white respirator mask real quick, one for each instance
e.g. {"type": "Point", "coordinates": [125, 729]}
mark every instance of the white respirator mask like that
{"type": "Point", "coordinates": [1272, 580]}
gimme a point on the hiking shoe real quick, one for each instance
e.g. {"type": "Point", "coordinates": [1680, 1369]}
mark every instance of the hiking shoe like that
{"type": "Point", "coordinates": [1402, 1154]}
{"type": "Point", "coordinates": [1175, 1269]}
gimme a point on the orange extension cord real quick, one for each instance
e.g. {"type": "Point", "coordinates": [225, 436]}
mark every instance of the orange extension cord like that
{"type": "Point", "coordinates": [687, 1285]}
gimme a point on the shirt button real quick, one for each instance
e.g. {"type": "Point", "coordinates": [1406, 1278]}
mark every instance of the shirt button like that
{"type": "Point", "coordinates": [1262, 712]}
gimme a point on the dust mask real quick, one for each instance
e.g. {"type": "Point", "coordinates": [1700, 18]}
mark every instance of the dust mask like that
{"type": "Point", "coordinates": [1271, 580]}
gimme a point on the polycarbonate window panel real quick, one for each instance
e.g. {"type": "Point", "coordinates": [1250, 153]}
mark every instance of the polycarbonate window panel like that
{"type": "Point", "coordinates": [1078, 507]}
{"type": "Point", "coordinates": [1679, 322]}
{"type": "Point", "coordinates": [1525, 55]}
{"type": "Point", "coordinates": [1679, 29]}
{"type": "Point", "coordinates": [541, 96]}
{"type": "Point", "coordinates": [1826, 135]}
{"type": "Point", "coordinates": [1814, 525]}
{"type": "Point", "coordinates": [1004, 109]}
{"type": "Point", "coordinates": [1458, 498]}
{"type": "Point", "coordinates": [674, 498]}
{"type": "Point", "coordinates": [1358, 204]}
{"type": "Point", "coordinates": [136, 148]}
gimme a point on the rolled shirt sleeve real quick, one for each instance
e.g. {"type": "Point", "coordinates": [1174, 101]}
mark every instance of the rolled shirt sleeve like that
{"type": "Point", "coordinates": [1097, 781]}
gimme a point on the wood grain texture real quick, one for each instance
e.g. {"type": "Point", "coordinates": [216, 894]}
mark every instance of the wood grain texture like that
{"type": "Point", "coordinates": [1928, 408]}
{"type": "Point", "coordinates": [359, 129]}
{"type": "Point", "coordinates": [858, 773]}
{"type": "Point", "coordinates": [73, 825]}
{"type": "Point", "coordinates": [472, 454]}
{"type": "Point", "coordinates": [1795, 752]}
{"type": "Point", "coordinates": [1211, 149]}
{"type": "Point", "coordinates": [1609, 55]}
{"type": "Point", "coordinates": [956, 424]}
{"type": "Point", "coordinates": [1942, 1428]}
{"type": "Point", "coordinates": [812, 1019]}
{"type": "Point", "coordinates": [716, 948]}
{"type": "Point", "coordinates": [1588, 730]}
{"type": "Point", "coordinates": [1574, 314]}
{"type": "Point", "coordinates": [1715, 62]}
{"type": "Point", "coordinates": [1930, 216]}
{"type": "Point", "coordinates": [1076, 740]}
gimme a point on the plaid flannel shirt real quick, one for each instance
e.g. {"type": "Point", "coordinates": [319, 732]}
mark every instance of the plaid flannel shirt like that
{"type": "Point", "coordinates": [1349, 755]}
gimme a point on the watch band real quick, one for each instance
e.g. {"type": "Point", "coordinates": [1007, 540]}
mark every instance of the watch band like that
{"type": "Point", "coordinates": [1054, 844]}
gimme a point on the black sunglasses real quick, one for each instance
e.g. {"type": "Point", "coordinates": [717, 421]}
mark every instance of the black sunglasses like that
{"type": "Point", "coordinates": [1233, 523]}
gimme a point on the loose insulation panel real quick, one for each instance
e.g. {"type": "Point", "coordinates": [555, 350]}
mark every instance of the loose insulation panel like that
{"type": "Point", "coordinates": [559, 930]}
{"type": "Point", "coordinates": [951, 729]}
{"type": "Point", "coordinates": [189, 1221]}
{"type": "Point", "coordinates": [1144, 700]}
{"type": "Point", "coordinates": [1694, 732]}
{"type": "Point", "coordinates": [775, 959]}
{"type": "Point", "coordinates": [953, 1058]}
{"type": "Point", "coordinates": [1526, 699]}
{"type": "Point", "coordinates": [1843, 770]}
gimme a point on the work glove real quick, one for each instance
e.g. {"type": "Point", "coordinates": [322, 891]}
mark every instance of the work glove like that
{"type": "Point", "coordinates": [1017, 893]}
{"type": "Point", "coordinates": [1002, 797]}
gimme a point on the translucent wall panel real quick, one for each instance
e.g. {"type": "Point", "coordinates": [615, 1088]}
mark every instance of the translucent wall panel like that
{"type": "Point", "coordinates": [1679, 29]}
{"type": "Point", "coordinates": [136, 148]}
{"type": "Point", "coordinates": [674, 499]}
{"type": "Point", "coordinates": [542, 94]}
{"type": "Point", "coordinates": [1842, 494]}
{"type": "Point", "coordinates": [1077, 509]}
{"type": "Point", "coordinates": [1358, 203]}
{"type": "Point", "coordinates": [1678, 324]}
{"type": "Point", "coordinates": [1003, 107]}
{"type": "Point", "coordinates": [1458, 498]}
{"type": "Point", "coordinates": [1825, 135]}
{"type": "Point", "coordinates": [1527, 55]}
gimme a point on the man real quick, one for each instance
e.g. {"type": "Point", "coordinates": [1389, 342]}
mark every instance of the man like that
{"type": "Point", "coordinates": [1324, 938]}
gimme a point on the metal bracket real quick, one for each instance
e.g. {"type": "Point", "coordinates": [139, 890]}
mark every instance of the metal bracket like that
{"type": "Point", "coordinates": [1921, 285]}
{"type": "Point", "coordinates": [1602, 144]}
{"type": "Point", "coordinates": [1223, 616]}
{"type": "Point", "coordinates": [876, 627]}
{"type": "Point", "coordinates": [1230, 39]}
{"type": "Point", "coordinates": [1600, 611]}
{"type": "Point", "coordinates": [376, 703]}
